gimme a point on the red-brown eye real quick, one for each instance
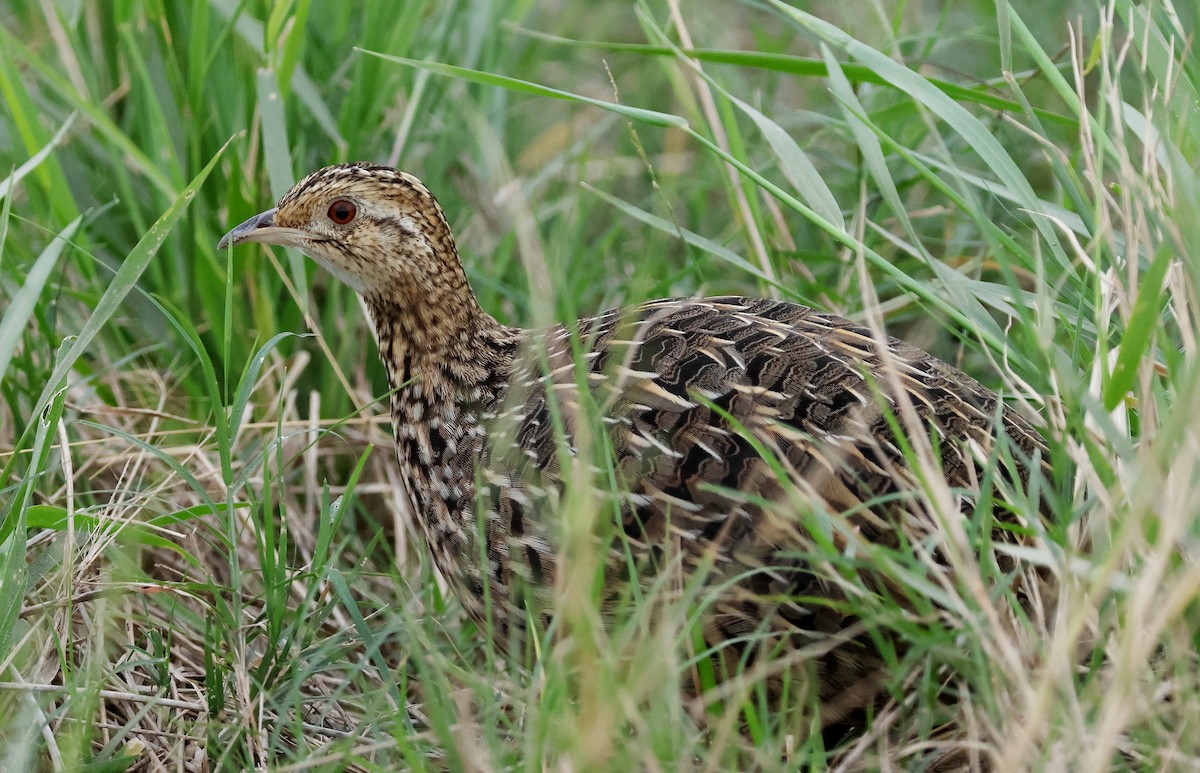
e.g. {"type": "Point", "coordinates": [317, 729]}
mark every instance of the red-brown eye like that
{"type": "Point", "coordinates": [342, 211]}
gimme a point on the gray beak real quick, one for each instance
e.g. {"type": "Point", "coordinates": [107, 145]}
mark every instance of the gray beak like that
{"type": "Point", "coordinates": [260, 228]}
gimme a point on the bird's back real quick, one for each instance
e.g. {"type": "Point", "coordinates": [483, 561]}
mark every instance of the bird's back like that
{"type": "Point", "coordinates": [738, 433]}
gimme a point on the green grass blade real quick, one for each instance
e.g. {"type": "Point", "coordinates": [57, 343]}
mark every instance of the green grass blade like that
{"type": "Point", "coordinates": [55, 519]}
{"type": "Point", "coordinates": [248, 381]}
{"type": "Point", "coordinates": [279, 163]}
{"type": "Point", "coordinates": [796, 166]}
{"type": "Point", "coordinates": [24, 300]}
{"type": "Point", "coordinates": [868, 144]}
{"type": "Point", "coordinates": [650, 117]}
{"type": "Point", "coordinates": [1139, 331]}
{"type": "Point", "coordinates": [34, 161]}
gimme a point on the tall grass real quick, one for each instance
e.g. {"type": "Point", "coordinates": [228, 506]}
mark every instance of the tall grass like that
{"type": "Point", "coordinates": [202, 558]}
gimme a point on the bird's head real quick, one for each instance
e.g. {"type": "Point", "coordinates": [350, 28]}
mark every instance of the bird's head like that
{"type": "Point", "coordinates": [377, 229]}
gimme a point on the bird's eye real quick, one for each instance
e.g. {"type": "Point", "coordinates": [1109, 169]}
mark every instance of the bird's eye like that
{"type": "Point", "coordinates": [342, 211]}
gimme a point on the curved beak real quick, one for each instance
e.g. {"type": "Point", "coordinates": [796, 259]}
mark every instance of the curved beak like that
{"type": "Point", "coordinates": [262, 228]}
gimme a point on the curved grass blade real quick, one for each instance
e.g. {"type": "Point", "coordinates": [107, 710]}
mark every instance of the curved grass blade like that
{"type": "Point", "coordinates": [9, 182]}
{"type": "Point", "coordinates": [247, 383]}
{"type": "Point", "coordinates": [1143, 323]}
{"type": "Point", "coordinates": [793, 161]}
{"type": "Point", "coordinates": [24, 300]}
{"type": "Point", "coordinates": [651, 117]}
{"type": "Point", "coordinates": [798, 65]}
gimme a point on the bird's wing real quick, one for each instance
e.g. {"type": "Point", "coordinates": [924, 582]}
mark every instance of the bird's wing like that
{"type": "Point", "coordinates": [738, 430]}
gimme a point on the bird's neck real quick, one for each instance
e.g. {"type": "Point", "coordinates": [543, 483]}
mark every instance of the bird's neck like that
{"type": "Point", "coordinates": [451, 347]}
{"type": "Point", "coordinates": [444, 379]}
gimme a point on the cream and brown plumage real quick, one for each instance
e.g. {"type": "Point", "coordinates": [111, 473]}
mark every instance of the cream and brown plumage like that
{"type": "Point", "coordinates": [737, 429]}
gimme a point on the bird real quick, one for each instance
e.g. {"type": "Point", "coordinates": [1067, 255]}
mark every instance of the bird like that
{"type": "Point", "coordinates": [735, 434]}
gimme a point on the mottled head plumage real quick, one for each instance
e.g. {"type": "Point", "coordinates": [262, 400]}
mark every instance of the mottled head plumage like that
{"type": "Point", "coordinates": [381, 232]}
{"type": "Point", "coordinates": [360, 178]}
{"type": "Point", "coordinates": [395, 241]}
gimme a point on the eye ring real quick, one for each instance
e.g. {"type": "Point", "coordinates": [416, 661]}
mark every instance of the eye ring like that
{"type": "Point", "coordinates": [342, 211]}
